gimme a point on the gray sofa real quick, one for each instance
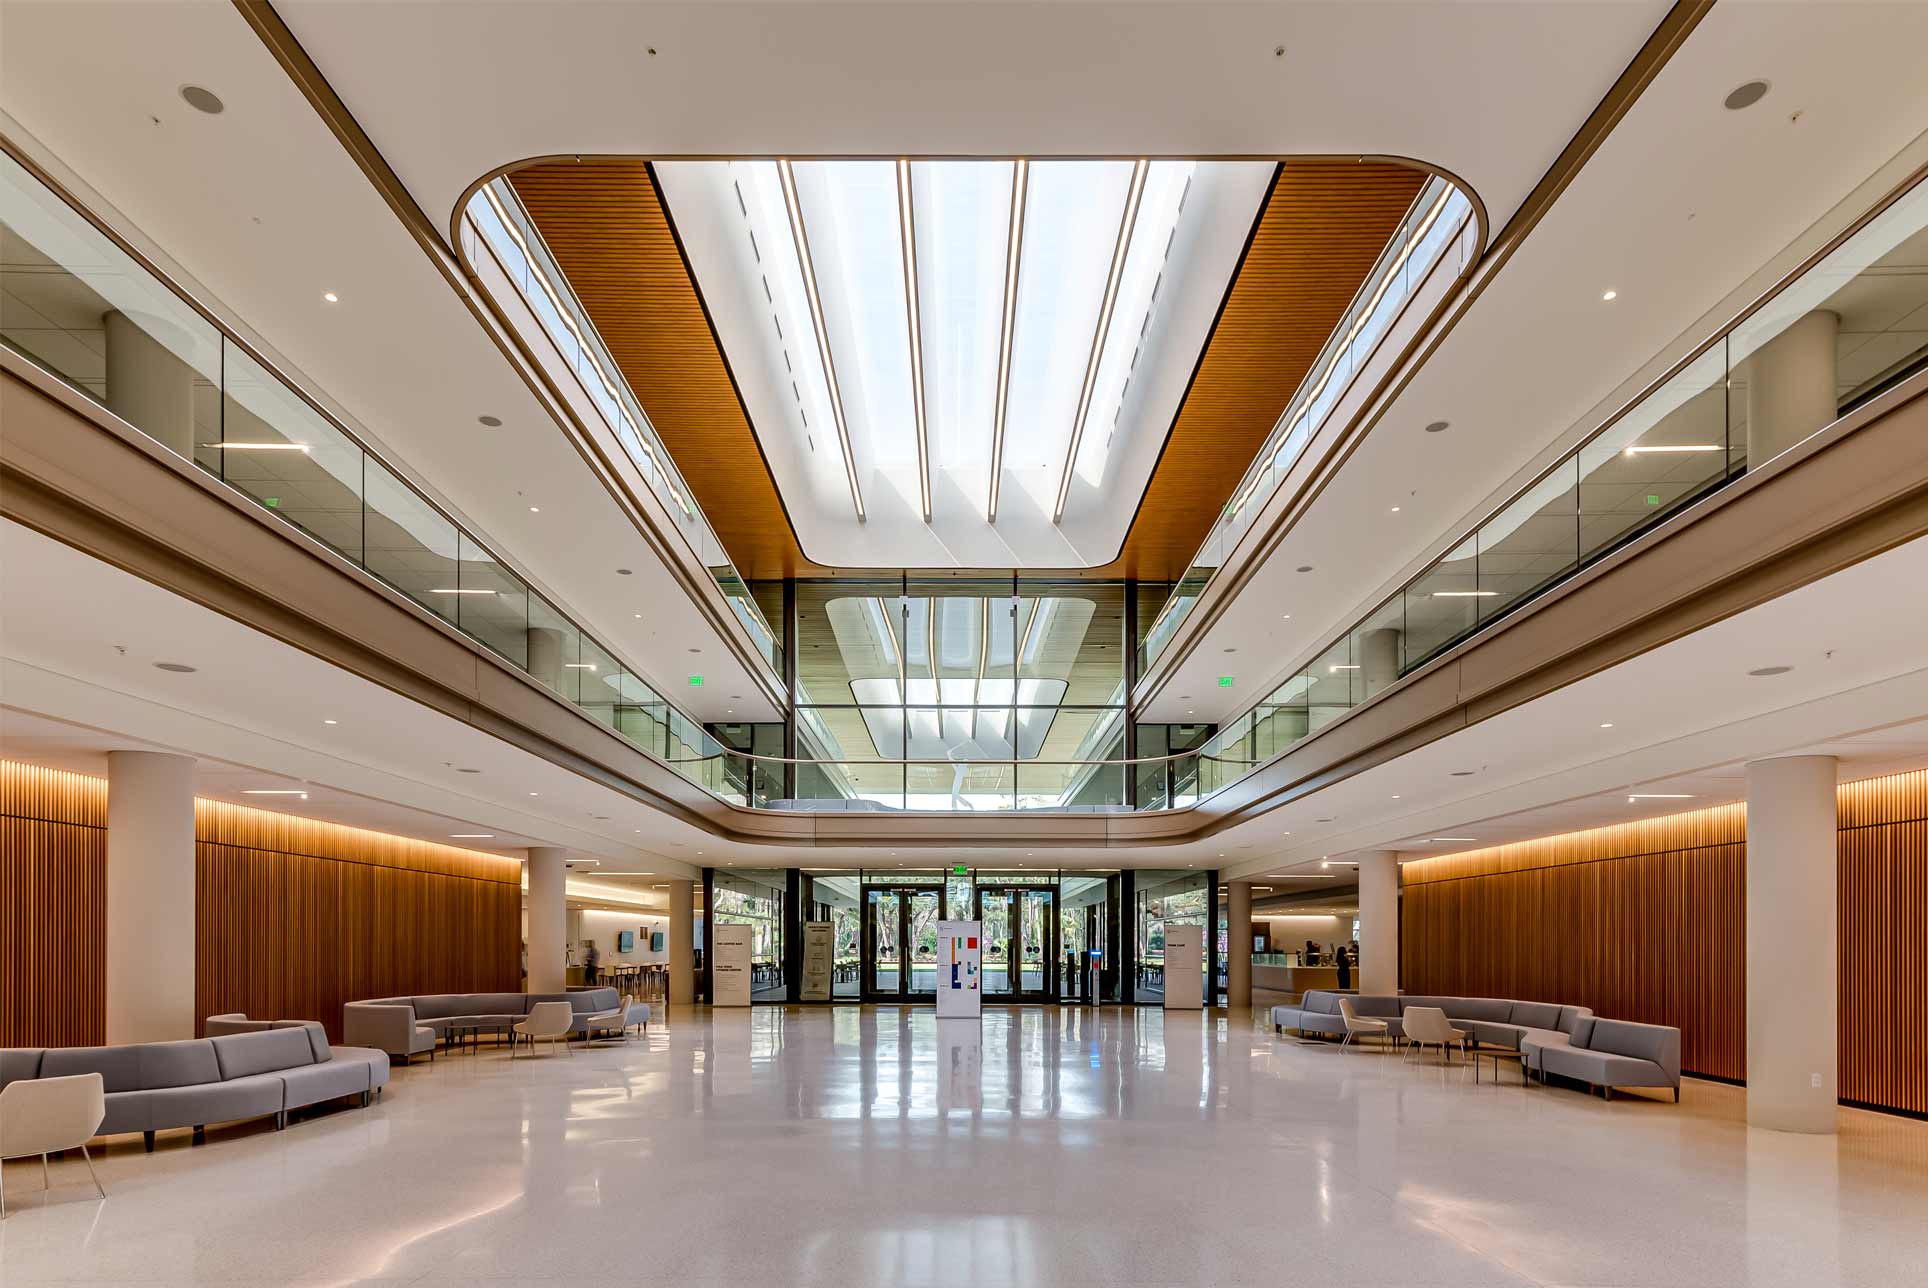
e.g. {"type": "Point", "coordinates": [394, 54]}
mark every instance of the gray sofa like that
{"type": "Point", "coordinates": [1565, 1041]}
{"type": "Point", "coordinates": [154, 1086]}
{"type": "Point", "coordinates": [411, 1026]}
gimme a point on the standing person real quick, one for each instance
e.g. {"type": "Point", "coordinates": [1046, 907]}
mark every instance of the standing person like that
{"type": "Point", "coordinates": [591, 959]}
{"type": "Point", "coordinates": [1345, 968]}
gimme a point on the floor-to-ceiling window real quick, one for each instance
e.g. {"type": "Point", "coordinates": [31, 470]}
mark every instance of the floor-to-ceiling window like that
{"type": "Point", "coordinates": [1164, 899]}
{"type": "Point", "coordinates": [961, 694]}
{"type": "Point", "coordinates": [756, 899]}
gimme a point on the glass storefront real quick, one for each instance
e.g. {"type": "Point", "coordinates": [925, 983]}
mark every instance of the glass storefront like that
{"type": "Point", "coordinates": [756, 898]}
{"type": "Point", "coordinates": [1162, 899]}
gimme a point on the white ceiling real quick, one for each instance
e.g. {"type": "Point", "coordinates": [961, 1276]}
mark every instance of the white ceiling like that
{"type": "Point", "coordinates": [1678, 213]}
{"type": "Point", "coordinates": [1490, 91]}
{"type": "Point", "coordinates": [261, 211]}
{"type": "Point", "coordinates": [79, 641]}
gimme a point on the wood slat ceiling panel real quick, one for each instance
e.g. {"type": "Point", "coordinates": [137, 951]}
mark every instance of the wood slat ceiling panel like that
{"type": "Point", "coordinates": [1324, 224]}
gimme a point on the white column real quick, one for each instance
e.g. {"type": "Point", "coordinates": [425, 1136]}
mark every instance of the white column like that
{"type": "Point", "coordinates": [1380, 659]}
{"type": "Point", "coordinates": [150, 897]}
{"type": "Point", "coordinates": [1238, 944]}
{"type": "Point", "coordinates": [1791, 386]}
{"type": "Point", "coordinates": [682, 945]}
{"type": "Point", "coordinates": [1379, 922]}
{"type": "Point", "coordinates": [548, 920]}
{"type": "Point", "coordinates": [1792, 954]}
{"type": "Point", "coordinates": [148, 385]}
{"type": "Point", "coordinates": [545, 656]}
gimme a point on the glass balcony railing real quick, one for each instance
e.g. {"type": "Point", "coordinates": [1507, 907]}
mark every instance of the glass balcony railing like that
{"type": "Point", "coordinates": [1426, 233]}
{"type": "Point", "coordinates": [83, 308]}
{"type": "Point", "coordinates": [495, 215]}
{"type": "Point", "coordinates": [1845, 328]}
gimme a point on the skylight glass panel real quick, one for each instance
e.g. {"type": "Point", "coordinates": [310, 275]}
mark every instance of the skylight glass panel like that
{"type": "Point", "coordinates": [1072, 209]}
{"type": "Point", "coordinates": [851, 220]}
{"type": "Point", "coordinates": [963, 211]}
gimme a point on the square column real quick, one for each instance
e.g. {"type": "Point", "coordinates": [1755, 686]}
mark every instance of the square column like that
{"type": "Point", "coordinates": [682, 942]}
{"type": "Point", "coordinates": [548, 920]}
{"type": "Point", "coordinates": [1378, 968]}
{"type": "Point", "coordinates": [150, 897]}
{"type": "Point", "coordinates": [1238, 943]}
{"type": "Point", "coordinates": [1793, 956]}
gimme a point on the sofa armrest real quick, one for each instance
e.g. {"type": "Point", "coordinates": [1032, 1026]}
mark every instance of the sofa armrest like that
{"type": "Point", "coordinates": [385, 1026]}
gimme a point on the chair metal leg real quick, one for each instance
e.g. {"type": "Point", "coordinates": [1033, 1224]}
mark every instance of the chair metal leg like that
{"type": "Point", "coordinates": [90, 1171]}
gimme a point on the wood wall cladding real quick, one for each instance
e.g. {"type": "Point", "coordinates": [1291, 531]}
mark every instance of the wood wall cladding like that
{"type": "Point", "coordinates": [1884, 942]}
{"type": "Point", "coordinates": [1640, 922]}
{"type": "Point", "coordinates": [1646, 921]}
{"type": "Point", "coordinates": [1323, 227]}
{"type": "Point", "coordinates": [293, 916]}
{"type": "Point", "coordinates": [53, 907]}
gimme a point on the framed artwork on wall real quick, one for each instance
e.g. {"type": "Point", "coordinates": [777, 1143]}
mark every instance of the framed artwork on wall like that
{"type": "Point", "coordinates": [625, 941]}
{"type": "Point", "coordinates": [656, 941]}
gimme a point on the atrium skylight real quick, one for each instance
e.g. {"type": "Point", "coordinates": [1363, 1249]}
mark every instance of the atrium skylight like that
{"type": "Point", "coordinates": [983, 356]}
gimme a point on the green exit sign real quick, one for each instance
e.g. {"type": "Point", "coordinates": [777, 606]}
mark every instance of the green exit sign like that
{"type": "Point", "coordinates": [1224, 681]}
{"type": "Point", "coordinates": [959, 870]}
{"type": "Point", "coordinates": [1652, 499]}
{"type": "Point", "coordinates": [696, 681]}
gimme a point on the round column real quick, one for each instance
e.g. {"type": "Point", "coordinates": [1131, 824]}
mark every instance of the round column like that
{"type": "Point", "coordinates": [1793, 958]}
{"type": "Point", "coordinates": [150, 897]}
{"type": "Point", "coordinates": [1378, 922]}
{"type": "Point", "coordinates": [1380, 659]}
{"type": "Point", "coordinates": [682, 943]}
{"type": "Point", "coordinates": [1791, 386]}
{"type": "Point", "coordinates": [1238, 944]}
{"type": "Point", "coordinates": [148, 386]}
{"type": "Point", "coordinates": [548, 920]}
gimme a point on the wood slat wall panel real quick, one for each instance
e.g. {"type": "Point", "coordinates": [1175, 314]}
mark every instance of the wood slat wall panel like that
{"type": "Point", "coordinates": [1647, 921]}
{"type": "Point", "coordinates": [293, 916]}
{"type": "Point", "coordinates": [53, 907]}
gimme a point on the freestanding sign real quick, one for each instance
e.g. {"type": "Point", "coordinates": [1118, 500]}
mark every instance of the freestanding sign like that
{"type": "Point", "coordinates": [732, 970]}
{"type": "Point", "coordinates": [1184, 967]}
{"type": "Point", "coordinates": [960, 969]}
{"type": "Point", "coordinates": [817, 951]}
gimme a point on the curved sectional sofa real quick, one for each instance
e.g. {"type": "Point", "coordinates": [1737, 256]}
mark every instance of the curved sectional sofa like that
{"type": "Point", "coordinates": [155, 1086]}
{"type": "Point", "coordinates": [1564, 1041]}
{"type": "Point", "coordinates": [411, 1026]}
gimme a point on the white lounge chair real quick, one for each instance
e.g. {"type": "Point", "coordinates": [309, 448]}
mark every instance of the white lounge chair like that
{"type": "Point", "coordinates": [546, 1020]}
{"type": "Point", "coordinates": [44, 1115]}
{"type": "Point", "coordinates": [1359, 1026]}
{"type": "Point", "coordinates": [1425, 1026]}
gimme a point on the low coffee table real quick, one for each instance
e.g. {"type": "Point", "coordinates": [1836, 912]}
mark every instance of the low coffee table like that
{"type": "Point", "coordinates": [1497, 1054]}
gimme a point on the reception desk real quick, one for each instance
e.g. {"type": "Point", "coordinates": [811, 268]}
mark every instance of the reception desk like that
{"type": "Point", "coordinates": [1289, 980]}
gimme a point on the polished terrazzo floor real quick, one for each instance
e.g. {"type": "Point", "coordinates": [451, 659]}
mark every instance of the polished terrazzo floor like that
{"type": "Point", "coordinates": [881, 1146]}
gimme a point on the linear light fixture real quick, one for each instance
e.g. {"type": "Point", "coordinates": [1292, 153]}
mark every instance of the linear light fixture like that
{"type": "Point", "coordinates": [1013, 251]}
{"type": "Point", "coordinates": [459, 590]}
{"type": "Point", "coordinates": [1343, 666]}
{"type": "Point", "coordinates": [1452, 838]}
{"type": "Point", "coordinates": [275, 791]}
{"type": "Point", "coordinates": [579, 666]}
{"type": "Point", "coordinates": [1464, 594]}
{"type": "Point", "coordinates": [257, 447]}
{"type": "Point", "coordinates": [907, 237]}
{"type": "Point", "coordinates": [1126, 223]}
{"type": "Point", "coordinates": [1674, 447]}
{"type": "Point", "coordinates": [1659, 796]}
{"type": "Point", "coordinates": [802, 238]}
{"type": "Point", "coordinates": [471, 836]}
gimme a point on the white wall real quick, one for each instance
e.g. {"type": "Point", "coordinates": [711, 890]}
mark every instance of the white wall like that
{"type": "Point", "coordinates": [1290, 933]}
{"type": "Point", "coordinates": [589, 923]}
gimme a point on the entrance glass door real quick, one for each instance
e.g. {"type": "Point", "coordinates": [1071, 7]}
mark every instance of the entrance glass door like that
{"type": "Point", "coordinates": [1020, 942]}
{"type": "Point", "coordinates": [900, 943]}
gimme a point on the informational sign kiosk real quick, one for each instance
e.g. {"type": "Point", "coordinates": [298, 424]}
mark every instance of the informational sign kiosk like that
{"type": "Point", "coordinates": [732, 970]}
{"type": "Point", "coordinates": [817, 945]}
{"type": "Point", "coordinates": [960, 973]}
{"type": "Point", "coordinates": [1184, 967]}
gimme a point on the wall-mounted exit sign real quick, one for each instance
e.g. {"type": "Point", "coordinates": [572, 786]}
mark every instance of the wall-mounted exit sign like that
{"type": "Point", "coordinates": [1224, 681]}
{"type": "Point", "coordinates": [696, 681]}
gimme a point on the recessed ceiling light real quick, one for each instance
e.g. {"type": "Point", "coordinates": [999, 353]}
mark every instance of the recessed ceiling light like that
{"type": "Point", "coordinates": [1305, 567]}
{"type": "Point", "coordinates": [639, 617]}
{"type": "Point", "coordinates": [1439, 427]}
{"type": "Point", "coordinates": [696, 650]}
{"type": "Point", "coordinates": [179, 668]}
{"type": "Point", "coordinates": [535, 509]}
{"type": "Point", "coordinates": [331, 297]}
{"type": "Point", "coordinates": [1745, 95]}
{"type": "Point", "coordinates": [1231, 650]}
{"type": "Point", "coordinates": [1606, 724]}
{"type": "Point", "coordinates": [624, 572]}
{"type": "Point", "coordinates": [468, 771]}
{"type": "Point", "coordinates": [1395, 509]}
{"type": "Point", "coordinates": [331, 722]}
{"type": "Point", "coordinates": [206, 100]}
{"type": "Point", "coordinates": [535, 793]}
{"type": "Point", "coordinates": [493, 422]}
{"type": "Point", "coordinates": [1285, 617]}
{"type": "Point", "coordinates": [1463, 773]}
{"type": "Point", "coordinates": [1395, 798]}
{"type": "Point", "coordinates": [1609, 295]}
{"type": "Point", "coordinates": [1759, 670]}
